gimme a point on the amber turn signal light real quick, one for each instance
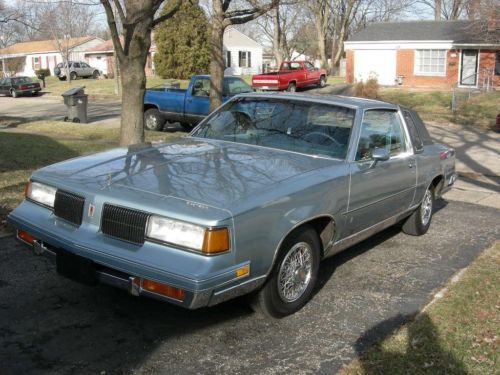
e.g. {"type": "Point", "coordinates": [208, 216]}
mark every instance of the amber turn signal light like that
{"type": "Point", "coordinates": [216, 241]}
{"type": "Point", "coordinates": [27, 188]}
{"type": "Point", "coordinates": [163, 289]}
{"type": "Point", "coordinates": [25, 237]}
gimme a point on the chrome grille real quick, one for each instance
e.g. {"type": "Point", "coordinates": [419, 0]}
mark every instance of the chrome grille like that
{"type": "Point", "coordinates": [69, 206]}
{"type": "Point", "coordinates": [124, 223]}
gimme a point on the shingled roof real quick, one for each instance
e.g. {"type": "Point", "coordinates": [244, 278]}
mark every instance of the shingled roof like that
{"type": "Point", "coordinates": [466, 32]}
{"type": "Point", "coordinates": [41, 46]}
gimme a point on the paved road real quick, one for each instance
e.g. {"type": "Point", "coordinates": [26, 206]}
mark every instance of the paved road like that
{"type": "Point", "coordinates": [51, 325]}
{"type": "Point", "coordinates": [53, 108]}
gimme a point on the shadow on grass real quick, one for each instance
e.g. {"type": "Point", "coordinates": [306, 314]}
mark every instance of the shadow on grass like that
{"type": "Point", "coordinates": [422, 352]}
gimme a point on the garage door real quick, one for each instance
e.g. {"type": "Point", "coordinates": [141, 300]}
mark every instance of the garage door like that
{"type": "Point", "coordinates": [381, 63]}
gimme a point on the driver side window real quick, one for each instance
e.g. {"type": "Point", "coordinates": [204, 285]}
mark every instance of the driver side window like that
{"type": "Point", "coordinates": [201, 87]}
{"type": "Point", "coordinates": [380, 129]}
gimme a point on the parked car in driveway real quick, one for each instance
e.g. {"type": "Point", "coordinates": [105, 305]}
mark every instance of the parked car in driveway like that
{"type": "Point", "coordinates": [186, 106]}
{"type": "Point", "coordinates": [251, 201]}
{"type": "Point", "coordinates": [17, 86]}
{"type": "Point", "coordinates": [76, 69]}
{"type": "Point", "coordinates": [290, 76]}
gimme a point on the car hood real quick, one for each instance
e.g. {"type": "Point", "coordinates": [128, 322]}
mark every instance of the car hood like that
{"type": "Point", "coordinates": [211, 172]}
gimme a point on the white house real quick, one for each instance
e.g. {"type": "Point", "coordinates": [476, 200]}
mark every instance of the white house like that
{"type": "Point", "coordinates": [42, 54]}
{"type": "Point", "coordinates": [242, 54]}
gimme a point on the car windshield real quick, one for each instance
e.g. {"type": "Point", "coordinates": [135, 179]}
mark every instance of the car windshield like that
{"type": "Point", "coordinates": [21, 80]}
{"type": "Point", "coordinates": [310, 128]}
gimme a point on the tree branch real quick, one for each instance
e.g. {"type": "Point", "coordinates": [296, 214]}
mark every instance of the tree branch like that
{"type": "Point", "coordinates": [169, 14]}
{"type": "Point", "coordinates": [115, 37]}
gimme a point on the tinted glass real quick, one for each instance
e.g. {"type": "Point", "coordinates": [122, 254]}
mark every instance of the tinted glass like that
{"type": "Point", "coordinates": [415, 138]}
{"type": "Point", "coordinates": [309, 128]}
{"type": "Point", "coordinates": [76, 65]}
{"type": "Point", "coordinates": [21, 80]}
{"type": "Point", "coordinates": [234, 86]}
{"type": "Point", "coordinates": [201, 87]}
{"type": "Point", "coordinates": [380, 129]}
{"type": "Point", "coordinates": [309, 66]}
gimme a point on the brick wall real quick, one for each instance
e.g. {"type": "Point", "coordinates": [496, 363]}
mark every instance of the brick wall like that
{"type": "Point", "coordinates": [349, 66]}
{"type": "Point", "coordinates": [405, 59]}
{"type": "Point", "coordinates": [487, 61]}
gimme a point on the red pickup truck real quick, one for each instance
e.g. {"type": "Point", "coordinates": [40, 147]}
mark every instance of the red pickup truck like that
{"type": "Point", "coordinates": [290, 76]}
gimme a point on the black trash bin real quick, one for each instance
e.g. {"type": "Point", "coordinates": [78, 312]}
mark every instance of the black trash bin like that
{"type": "Point", "coordinates": [76, 101]}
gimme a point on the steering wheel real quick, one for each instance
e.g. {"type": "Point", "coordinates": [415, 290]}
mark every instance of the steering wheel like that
{"type": "Point", "coordinates": [337, 143]}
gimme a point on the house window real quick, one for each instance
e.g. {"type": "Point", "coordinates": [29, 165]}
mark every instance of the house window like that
{"type": "Point", "coordinates": [245, 59]}
{"type": "Point", "coordinates": [497, 64]}
{"type": "Point", "coordinates": [36, 63]}
{"type": "Point", "coordinates": [431, 62]}
{"type": "Point", "coordinates": [228, 59]}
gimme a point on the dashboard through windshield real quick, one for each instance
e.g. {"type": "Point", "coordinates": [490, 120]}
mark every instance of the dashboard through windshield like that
{"type": "Point", "coordinates": [310, 128]}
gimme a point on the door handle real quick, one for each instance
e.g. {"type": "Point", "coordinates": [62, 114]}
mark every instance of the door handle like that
{"type": "Point", "coordinates": [411, 164]}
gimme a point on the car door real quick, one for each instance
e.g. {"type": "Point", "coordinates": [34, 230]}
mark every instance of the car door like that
{"type": "Point", "coordinates": [312, 73]}
{"type": "Point", "coordinates": [3, 90]}
{"type": "Point", "coordinates": [197, 101]}
{"type": "Point", "coordinates": [86, 69]}
{"type": "Point", "coordinates": [77, 69]}
{"type": "Point", "coordinates": [381, 190]}
{"type": "Point", "coordinates": [6, 86]}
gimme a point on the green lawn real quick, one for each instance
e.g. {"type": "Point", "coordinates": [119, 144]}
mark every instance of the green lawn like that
{"type": "Point", "coordinates": [97, 87]}
{"type": "Point", "coordinates": [46, 142]}
{"type": "Point", "coordinates": [458, 334]}
{"type": "Point", "coordinates": [480, 110]}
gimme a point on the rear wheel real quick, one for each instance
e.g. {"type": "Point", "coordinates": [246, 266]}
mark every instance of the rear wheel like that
{"type": "Point", "coordinates": [292, 87]}
{"type": "Point", "coordinates": [62, 78]}
{"type": "Point", "coordinates": [420, 220]}
{"type": "Point", "coordinates": [73, 76]}
{"type": "Point", "coordinates": [293, 277]}
{"type": "Point", "coordinates": [95, 75]}
{"type": "Point", "coordinates": [153, 120]}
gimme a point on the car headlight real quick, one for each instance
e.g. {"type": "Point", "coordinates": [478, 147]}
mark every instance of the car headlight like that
{"type": "Point", "coordinates": [192, 236]}
{"type": "Point", "coordinates": [41, 193]}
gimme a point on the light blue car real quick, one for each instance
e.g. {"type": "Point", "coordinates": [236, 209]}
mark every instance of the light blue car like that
{"type": "Point", "coordinates": [250, 202]}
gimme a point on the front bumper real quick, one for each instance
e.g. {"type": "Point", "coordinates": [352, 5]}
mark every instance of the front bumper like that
{"type": "Point", "coordinates": [54, 236]}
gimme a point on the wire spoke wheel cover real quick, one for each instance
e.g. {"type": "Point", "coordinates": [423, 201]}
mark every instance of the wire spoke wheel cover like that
{"type": "Point", "coordinates": [295, 272]}
{"type": "Point", "coordinates": [426, 207]}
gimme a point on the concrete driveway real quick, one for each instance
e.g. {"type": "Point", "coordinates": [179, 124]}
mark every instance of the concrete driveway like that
{"type": "Point", "coordinates": [51, 325]}
{"type": "Point", "coordinates": [52, 108]}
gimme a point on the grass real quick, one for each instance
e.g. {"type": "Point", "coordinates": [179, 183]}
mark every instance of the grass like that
{"type": "Point", "coordinates": [97, 87]}
{"type": "Point", "coordinates": [32, 145]}
{"type": "Point", "coordinates": [480, 111]}
{"type": "Point", "coordinates": [457, 334]}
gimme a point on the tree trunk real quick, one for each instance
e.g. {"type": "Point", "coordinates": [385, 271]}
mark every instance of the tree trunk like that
{"type": "Point", "coordinates": [277, 42]}
{"type": "Point", "coordinates": [133, 81]}
{"type": "Point", "coordinates": [437, 10]}
{"type": "Point", "coordinates": [216, 63]}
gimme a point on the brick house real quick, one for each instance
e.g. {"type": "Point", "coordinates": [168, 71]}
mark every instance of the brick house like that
{"type": "Point", "coordinates": [426, 54]}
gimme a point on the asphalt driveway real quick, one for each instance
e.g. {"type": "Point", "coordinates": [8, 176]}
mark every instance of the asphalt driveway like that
{"type": "Point", "coordinates": [49, 324]}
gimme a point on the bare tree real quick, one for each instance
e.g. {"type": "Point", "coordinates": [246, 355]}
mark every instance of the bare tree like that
{"type": "Point", "coordinates": [447, 9]}
{"type": "Point", "coordinates": [321, 14]}
{"type": "Point", "coordinates": [222, 17]}
{"type": "Point", "coordinates": [138, 18]}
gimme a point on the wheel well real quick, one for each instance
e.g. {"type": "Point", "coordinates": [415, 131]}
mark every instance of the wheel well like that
{"type": "Point", "coordinates": [324, 227]}
{"type": "Point", "coordinates": [294, 82]}
{"type": "Point", "coordinates": [149, 106]}
{"type": "Point", "coordinates": [437, 183]}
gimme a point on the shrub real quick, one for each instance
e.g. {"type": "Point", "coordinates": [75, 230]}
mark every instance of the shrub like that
{"type": "Point", "coordinates": [368, 89]}
{"type": "Point", "coordinates": [45, 72]}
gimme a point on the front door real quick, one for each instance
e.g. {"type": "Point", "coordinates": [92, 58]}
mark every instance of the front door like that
{"type": "Point", "coordinates": [468, 73]}
{"type": "Point", "coordinates": [386, 189]}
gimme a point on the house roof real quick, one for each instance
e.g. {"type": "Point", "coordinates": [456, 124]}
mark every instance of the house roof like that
{"type": "Point", "coordinates": [26, 48]}
{"type": "Point", "coordinates": [465, 32]}
{"type": "Point", "coordinates": [107, 46]}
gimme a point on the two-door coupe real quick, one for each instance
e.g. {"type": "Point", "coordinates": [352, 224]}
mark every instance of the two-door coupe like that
{"type": "Point", "coordinates": [17, 86]}
{"type": "Point", "coordinates": [250, 202]}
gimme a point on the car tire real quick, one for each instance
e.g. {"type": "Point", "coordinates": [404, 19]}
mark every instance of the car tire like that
{"type": "Point", "coordinates": [153, 120]}
{"type": "Point", "coordinates": [62, 78]}
{"type": "Point", "coordinates": [297, 265]}
{"type": "Point", "coordinates": [322, 82]}
{"type": "Point", "coordinates": [76, 120]}
{"type": "Point", "coordinates": [73, 76]}
{"type": "Point", "coordinates": [34, 93]}
{"type": "Point", "coordinates": [95, 75]}
{"type": "Point", "coordinates": [292, 87]}
{"type": "Point", "coordinates": [419, 221]}
{"type": "Point", "coordinates": [14, 94]}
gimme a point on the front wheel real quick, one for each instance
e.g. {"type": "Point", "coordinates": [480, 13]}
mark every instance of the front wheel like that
{"type": "Point", "coordinates": [292, 280]}
{"type": "Point", "coordinates": [14, 94]}
{"type": "Point", "coordinates": [420, 220]}
{"type": "Point", "coordinates": [95, 75]}
{"type": "Point", "coordinates": [292, 87]}
{"type": "Point", "coordinates": [153, 120]}
{"type": "Point", "coordinates": [73, 76]}
{"type": "Point", "coordinates": [322, 82]}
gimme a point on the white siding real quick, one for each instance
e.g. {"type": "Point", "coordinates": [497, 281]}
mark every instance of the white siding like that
{"type": "Point", "coordinates": [378, 63]}
{"type": "Point", "coordinates": [235, 41]}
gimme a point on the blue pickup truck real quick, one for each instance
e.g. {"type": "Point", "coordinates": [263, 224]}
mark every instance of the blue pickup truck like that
{"type": "Point", "coordinates": [186, 106]}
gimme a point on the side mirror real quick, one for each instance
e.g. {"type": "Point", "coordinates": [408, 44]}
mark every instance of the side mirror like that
{"type": "Point", "coordinates": [379, 154]}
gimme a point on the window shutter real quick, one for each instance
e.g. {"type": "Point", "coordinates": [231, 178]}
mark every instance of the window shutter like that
{"type": "Point", "coordinates": [240, 58]}
{"type": "Point", "coordinates": [228, 59]}
{"type": "Point", "coordinates": [249, 60]}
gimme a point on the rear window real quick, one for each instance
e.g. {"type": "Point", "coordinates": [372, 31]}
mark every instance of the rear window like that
{"type": "Point", "coordinates": [21, 80]}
